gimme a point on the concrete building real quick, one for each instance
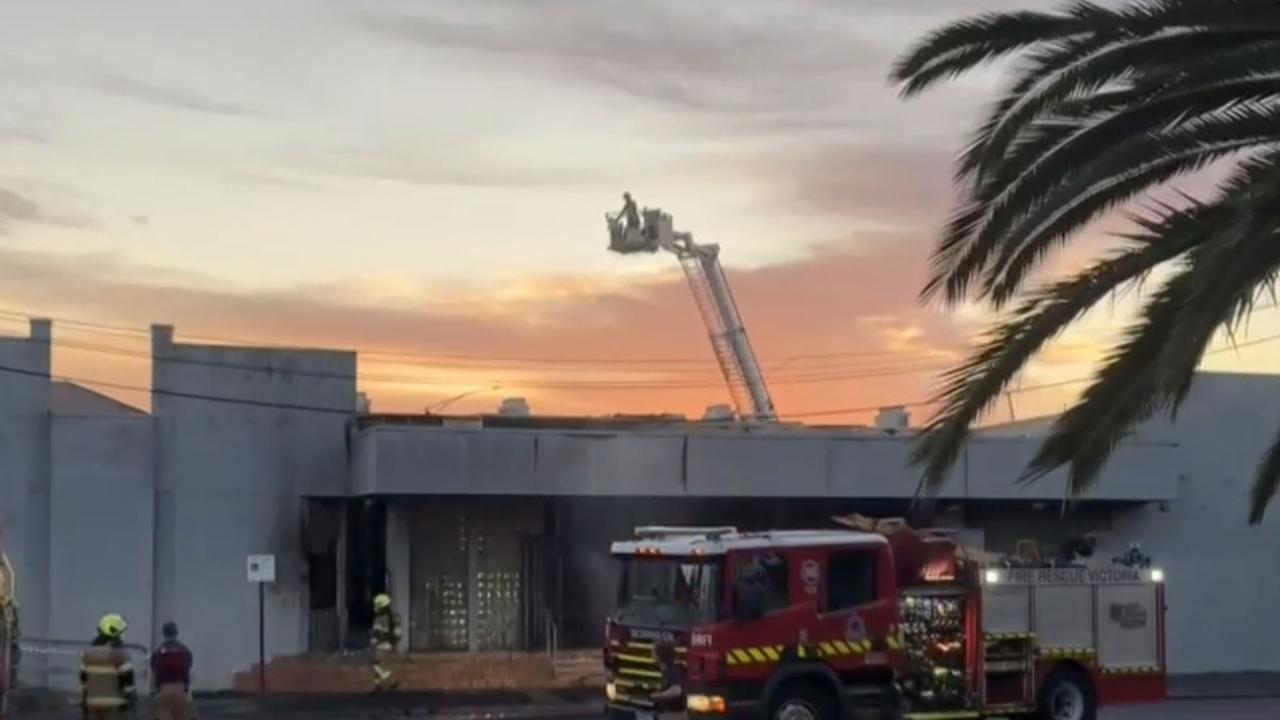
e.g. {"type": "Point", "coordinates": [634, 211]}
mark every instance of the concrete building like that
{"type": "Point", "coordinates": [492, 532]}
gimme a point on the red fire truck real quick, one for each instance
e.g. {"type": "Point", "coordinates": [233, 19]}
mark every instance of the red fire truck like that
{"type": "Point", "coordinates": [818, 625]}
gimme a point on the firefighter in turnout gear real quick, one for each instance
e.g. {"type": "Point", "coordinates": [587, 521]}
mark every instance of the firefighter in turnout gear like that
{"type": "Point", "coordinates": [384, 639]}
{"type": "Point", "coordinates": [106, 674]}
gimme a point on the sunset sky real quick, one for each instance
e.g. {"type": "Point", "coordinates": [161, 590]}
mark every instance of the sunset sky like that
{"type": "Point", "coordinates": [431, 177]}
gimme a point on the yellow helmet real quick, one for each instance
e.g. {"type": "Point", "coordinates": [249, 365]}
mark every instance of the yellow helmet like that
{"type": "Point", "coordinates": [381, 601]}
{"type": "Point", "coordinates": [112, 626]}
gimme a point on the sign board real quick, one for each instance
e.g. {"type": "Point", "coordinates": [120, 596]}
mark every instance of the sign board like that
{"type": "Point", "coordinates": [1075, 576]}
{"type": "Point", "coordinates": [262, 568]}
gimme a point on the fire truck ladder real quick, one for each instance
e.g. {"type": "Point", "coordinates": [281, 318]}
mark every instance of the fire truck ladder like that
{"type": "Point", "coordinates": [715, 303]}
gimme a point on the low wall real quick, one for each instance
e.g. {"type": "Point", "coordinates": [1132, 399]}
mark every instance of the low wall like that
{"type": "Point", "coordinates": [433, 672]}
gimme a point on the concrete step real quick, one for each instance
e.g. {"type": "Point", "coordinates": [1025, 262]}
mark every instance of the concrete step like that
{"type": "Point", "coordinates": [579, 670]}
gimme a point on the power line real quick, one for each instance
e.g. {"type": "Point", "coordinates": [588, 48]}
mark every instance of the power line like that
{"type": "Point", "coordinates": [1016, 391]}
{"type": "Point", "coordinates": [177, 394]}
{"type": "Point", "coordinates": [813, 377]}
{"type": "Point", "coordinates": [607, 385]}
{"type": "Point", "coordinates": [926, 403]}
{"type": "Point", "coordinates": [143, 332]}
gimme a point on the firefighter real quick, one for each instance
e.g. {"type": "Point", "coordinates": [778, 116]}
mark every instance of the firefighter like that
{"type": "Point", "coordinates": [668, 700]}
{"type": "Point", "coordinates": [629, 212]}
{"type": "Point", "coordinates": [384, 639]}
{"type": "Point", "coordinates": [1077, 549]}
{"type": "Point", "coordinates": [106, 675]}
{"type": "Point", "coordinates": [171, 675]}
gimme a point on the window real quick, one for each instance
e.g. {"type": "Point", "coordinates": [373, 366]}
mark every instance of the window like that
{"type": "Point", "coordinates": [851, 580]}
{"type": "Point", "coordinates": [664, 591]}
{"type": "Point", "coordinates": [770, 573]}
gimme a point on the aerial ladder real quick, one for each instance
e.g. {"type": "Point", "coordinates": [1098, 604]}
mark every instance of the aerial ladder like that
{"type": "Point", "coordinates": [714, 299]}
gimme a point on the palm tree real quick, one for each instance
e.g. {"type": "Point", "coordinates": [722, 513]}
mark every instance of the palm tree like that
{"type": "Point", "coordinates": [1106, 105]}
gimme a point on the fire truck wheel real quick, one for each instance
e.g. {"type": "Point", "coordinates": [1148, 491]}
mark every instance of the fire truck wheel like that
{"type": "Point", "coordinates": [803, 701]}
{"type": "Point", "coordinates": [1068, 695]}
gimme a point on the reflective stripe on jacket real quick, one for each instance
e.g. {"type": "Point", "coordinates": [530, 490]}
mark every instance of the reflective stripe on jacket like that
{"type": "Point", "coordinates": [385, 634]}
{"type": "Point", "coordinates": [106, 676]}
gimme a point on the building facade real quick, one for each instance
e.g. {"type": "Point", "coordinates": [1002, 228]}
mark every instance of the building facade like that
{"type": "Point", "coordinates": [492, 533]}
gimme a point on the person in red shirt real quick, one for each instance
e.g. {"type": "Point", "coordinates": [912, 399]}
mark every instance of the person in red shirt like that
{"type": "Point", "coordinates": [171, 673]}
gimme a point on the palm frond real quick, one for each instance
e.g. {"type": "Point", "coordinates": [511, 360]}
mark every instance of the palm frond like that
{"type": "Point", "coordinates": [1266, 481]}
{"type": "Point", "coordinates": [1154, 367]}
{"type": "Point", "coordinates": [972, 387]}
{"type": "Point", "coordinates": [1105, 105]}
{"type": "Point", "coordinates": [1197, 13]}
{"type": "Point", "coordinates": [1053, 169]}
{"type": "Point", "coordinates": [1111, 63]}
{"type": "Point", "coordinates": [1146, 162]}
{"type": "Point", "coordinates": [1041, 63]}
{"type": "Point", "coordinates": [965, 44]}
{"type": "Point", "coordinates": [953, 267]}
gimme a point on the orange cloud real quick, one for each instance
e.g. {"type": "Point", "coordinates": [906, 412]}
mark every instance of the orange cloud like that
{"type": "Point", "coordinates": [837, 328]}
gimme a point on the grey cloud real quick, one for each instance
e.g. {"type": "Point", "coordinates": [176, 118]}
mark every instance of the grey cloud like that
{"type": "Point", "coordinates": [902, 185]}
{"type": "Point", "coordinates": [16, 208]}
{"type": "Point", "coordinates": [435, 166]}
{"type": "Point", "coordinates": [277, 180]}
{"type": "Point", "coordinates": [743, 59]}
{"type": "Point", "coordinates": [16, 131]}
{"type": "Point", "coordinates": [884, 183]}
{"type": "Point", "coordinates": [134, 89]}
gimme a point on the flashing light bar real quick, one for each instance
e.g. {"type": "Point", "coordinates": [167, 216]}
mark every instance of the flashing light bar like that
{"type": "Point", "coordinates": [650, 532]}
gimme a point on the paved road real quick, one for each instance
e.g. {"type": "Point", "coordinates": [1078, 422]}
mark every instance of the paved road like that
{"type": "Point", "coordinates": [1261, 709]}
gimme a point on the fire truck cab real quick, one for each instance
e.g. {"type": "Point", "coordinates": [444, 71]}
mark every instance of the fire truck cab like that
{"type": "Point", "coordinates": [827, 624]}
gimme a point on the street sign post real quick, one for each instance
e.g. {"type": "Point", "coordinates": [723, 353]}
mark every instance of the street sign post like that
{"type": "Point", "coordinates": [262, 570]}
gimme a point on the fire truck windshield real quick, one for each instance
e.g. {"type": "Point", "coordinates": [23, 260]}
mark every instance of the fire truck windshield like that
{"type": "Point", "coordinates": [669, 592]}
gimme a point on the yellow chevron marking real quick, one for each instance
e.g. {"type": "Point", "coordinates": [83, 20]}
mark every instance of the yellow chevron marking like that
{"type": "Point", "coordinates": [638, 645]}
{"type": "Point", "coordinates": [772, 654]}
{"type": "Point", "coordinates": [757, 655]}
{"type": "Point", "coordinates": [621, 682]}
{"type": "Point", "coordinates": [827, 648]}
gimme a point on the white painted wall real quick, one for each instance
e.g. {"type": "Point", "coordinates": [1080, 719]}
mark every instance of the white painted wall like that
{"type": "Point", "coordinates": [101, 516]}
{"type": "Point", "coordinates": [24, 462]}
{"type": "Point", "coordinates": [1224, 576]}
{"type": "Point", "coordinates": [692, 461]}
{"type": "Point", "coordinates": [232, 476]}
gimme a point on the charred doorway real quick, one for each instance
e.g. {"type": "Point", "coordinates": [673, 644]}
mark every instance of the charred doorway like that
{"type": "Point", "coordinates": [477, 574]}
